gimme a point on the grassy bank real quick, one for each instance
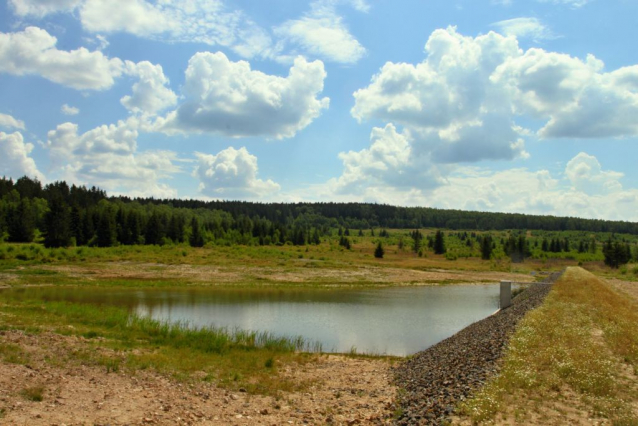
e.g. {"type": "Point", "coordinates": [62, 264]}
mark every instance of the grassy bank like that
{"type": "Point", "coordinates": [117, 340]}
{"type": "Point", "coordinates": [573, 359]}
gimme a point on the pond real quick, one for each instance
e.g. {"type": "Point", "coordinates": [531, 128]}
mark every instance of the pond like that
{"type": "Point", "coordinates": [393, 321]}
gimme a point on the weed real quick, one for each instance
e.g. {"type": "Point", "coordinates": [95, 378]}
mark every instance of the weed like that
{"type": "Point", "coordinates": [35, 393]}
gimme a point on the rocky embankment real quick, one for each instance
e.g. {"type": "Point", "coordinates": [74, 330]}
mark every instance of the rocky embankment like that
{"type": "Point", "coordinates": [436, 379]}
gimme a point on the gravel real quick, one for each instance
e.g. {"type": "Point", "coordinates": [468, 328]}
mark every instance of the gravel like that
{"type": "Point", "coordinates": [436, 379]}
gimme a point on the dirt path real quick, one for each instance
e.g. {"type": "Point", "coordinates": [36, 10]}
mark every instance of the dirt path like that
{"type": "Point", "coordinates": [345, 391]}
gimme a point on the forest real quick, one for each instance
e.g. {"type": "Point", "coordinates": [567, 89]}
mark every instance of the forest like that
{"type": "Point", "coordinates": [60, 215]}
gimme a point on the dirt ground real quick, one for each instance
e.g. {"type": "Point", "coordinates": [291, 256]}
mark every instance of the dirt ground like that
{"type": "Point", "coordinates": [345, 391]}
{"type": "Point", "coordinates": [212, 275]}
{"type": "Point", "coordinates": [629, 287]}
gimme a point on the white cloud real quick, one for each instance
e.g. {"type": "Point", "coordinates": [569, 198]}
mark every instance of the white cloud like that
{"type": "Point", "coordinates": [150, 94]}
{"type": "Point", "coordinates": [14, 157]}
{"type": "Point", "coordinates": [322, 33]}
{"type": "Point", "coordinates": [524, 28]}
{"type": "Point", "coordinates": [577, 97]}
{"type": "Point", "coordinates": [229, 98]}
{"type": "Point", "coordinates": [390, 161]}
{"type": "Point", "coordinates": [448, 100]}
{"type": "Point", "coordinates": [69, 110]}
{"type": "Point", "coordinates": [33, 52]}
{"type": "Point", "coordinates": [461, 103]}
{"type": "Point", "coordinates": [41, 8]}
{"type": "Point", "coordinates": [198, 21]}
{"type": "Point", "coordinates": [107, 157]}
{"type": "Point", "coordinates": [9, 122]}
{"type": "Point", "coordinates": [232, 174]}
{"type": "Point", "coordinates": [586, 175]}
{"type": "Point", "coordinates": [589, 193]}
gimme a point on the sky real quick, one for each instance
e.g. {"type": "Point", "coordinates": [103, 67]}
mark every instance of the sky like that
{"type": "Point", "coordinates": [490, 105]}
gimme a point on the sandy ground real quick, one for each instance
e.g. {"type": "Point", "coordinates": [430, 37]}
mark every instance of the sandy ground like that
{"type": "Point", "coordinates": [346, 391]}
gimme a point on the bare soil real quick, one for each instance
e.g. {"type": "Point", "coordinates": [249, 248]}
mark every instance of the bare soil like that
{"type": "Point", "coordinates": [629, 287]}
{"type": "Point", "coordinates": [343, 391]}
{"type": "Point", "coordinates": [219, 275]}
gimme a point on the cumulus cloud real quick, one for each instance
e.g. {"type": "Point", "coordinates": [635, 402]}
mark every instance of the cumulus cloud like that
{"type": "Point", "coordinates": [232, 174]}
{"type": "Point", "coordinates": [516, 190]}
{"type": "Point", "coordinates": [69, 110]}
{"type": "Point", "coordinates": [150, 94]}
{"type": "Point", "coordinates": [538, 192]}
{"type": "Point", "coordinates": [586, 175]}
{"type": "Point", "coordinates": [107, 156]}
{"type": "Point", "coordinates": [33, 52]}
{"type": "Point", "coordinates": [449, 99]}
{"type": "Point", "coordinates": [9, 122]}
{"type": "Point", "coordinates": [41, 8]}
{"type": "Point", "coordinates": [462, 102]}
{"type": "Point", "coordinates": [229, 98]}
{"type": "Point", "coordinates": [524, 28]}
{"type": "Point", "coordinates": [14, 157]}
{"type": "Point", "coordinates": [322, 33]}
{"type": "Point", "coordinates": [390, 161]}
{"type": "Point", "coordinates": [576, 96]}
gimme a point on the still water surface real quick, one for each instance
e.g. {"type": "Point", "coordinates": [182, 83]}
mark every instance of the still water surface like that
{"type": "Point", "coordinates": [393, 321]}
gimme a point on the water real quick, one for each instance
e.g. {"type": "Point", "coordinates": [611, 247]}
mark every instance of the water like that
{"type": "Point", "coordinates": [393, 321]}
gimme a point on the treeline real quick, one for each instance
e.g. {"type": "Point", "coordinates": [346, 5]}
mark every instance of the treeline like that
{"type": "Point", "coordinates": [67, 215]}
{"type": "Point", "coordinates": [80, 216]}
{"type": "Point", "coordinates": [366, 216]}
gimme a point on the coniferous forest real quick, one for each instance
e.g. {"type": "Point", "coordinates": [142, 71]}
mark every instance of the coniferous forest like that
{"type": "Point", "coordinates": [61, 215]}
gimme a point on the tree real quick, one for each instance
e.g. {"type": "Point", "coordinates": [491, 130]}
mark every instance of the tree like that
{"type": "Point", "coordinates": [344, 242]}
{"type": "Point", "coordinates": [616, 253]}
{"type": "Point", "coordinates": [439, 243]}
{"type": "Point", "coordinates": [57, 224]}
{"type": "Point", "coordinates": [21, 222]}
{"type": "Point", "coordinates": [379, 252]}
{"type": "Point", "coordinates": [417, 236]}
{"type": "Point", "coordinates": [486, 247]}
{"type": "Point", "coordinates": [196, 239]}
{"type": "Point", "coordinates": [106, 230]}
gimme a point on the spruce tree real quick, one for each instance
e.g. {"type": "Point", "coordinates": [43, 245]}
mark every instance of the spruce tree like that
{"type": "Point", "coordinates": [21, 222]}
{"type": "Point", "coordinates": [196, 239]}
{"type": "Point", "coordinates": [439, 243]}
{"type": "Point", "coordinates": [379, 252]}
{"type": "Point", "coordinates": [106, 232]}
{"type": "Point", "coordinates": [57, 224]}
{"type": "Point", "coordinates": [486, 247]}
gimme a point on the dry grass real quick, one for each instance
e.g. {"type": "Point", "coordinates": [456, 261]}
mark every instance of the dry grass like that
{"type": "Point", "coordinates": [579, 350]}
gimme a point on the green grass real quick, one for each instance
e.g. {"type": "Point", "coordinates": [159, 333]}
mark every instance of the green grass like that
{"type": "Point", "coordinates": [119, 341]}
{"type": "Point", "coordinates": [581, 339]}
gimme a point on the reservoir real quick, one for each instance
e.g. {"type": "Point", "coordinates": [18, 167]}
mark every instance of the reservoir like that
{"type": "Point", "coordinates": [393, 321]}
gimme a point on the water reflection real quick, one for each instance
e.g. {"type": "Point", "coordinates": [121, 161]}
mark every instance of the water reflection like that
{"type": "Point", "coordinates": [395, 321]}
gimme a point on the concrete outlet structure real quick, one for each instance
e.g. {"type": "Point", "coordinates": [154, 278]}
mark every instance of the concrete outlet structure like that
{"type": "Point", "coordinates": [506, 294]}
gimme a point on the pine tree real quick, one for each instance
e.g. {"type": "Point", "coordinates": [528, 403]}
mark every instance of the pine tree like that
{"type": "Point", "coordinates": [379, 252]}
{"type": "Point", "coordinates": [57, 224]}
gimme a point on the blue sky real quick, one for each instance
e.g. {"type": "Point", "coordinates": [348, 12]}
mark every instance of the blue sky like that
{"type": "Point", "coordinates": [497, 105]}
